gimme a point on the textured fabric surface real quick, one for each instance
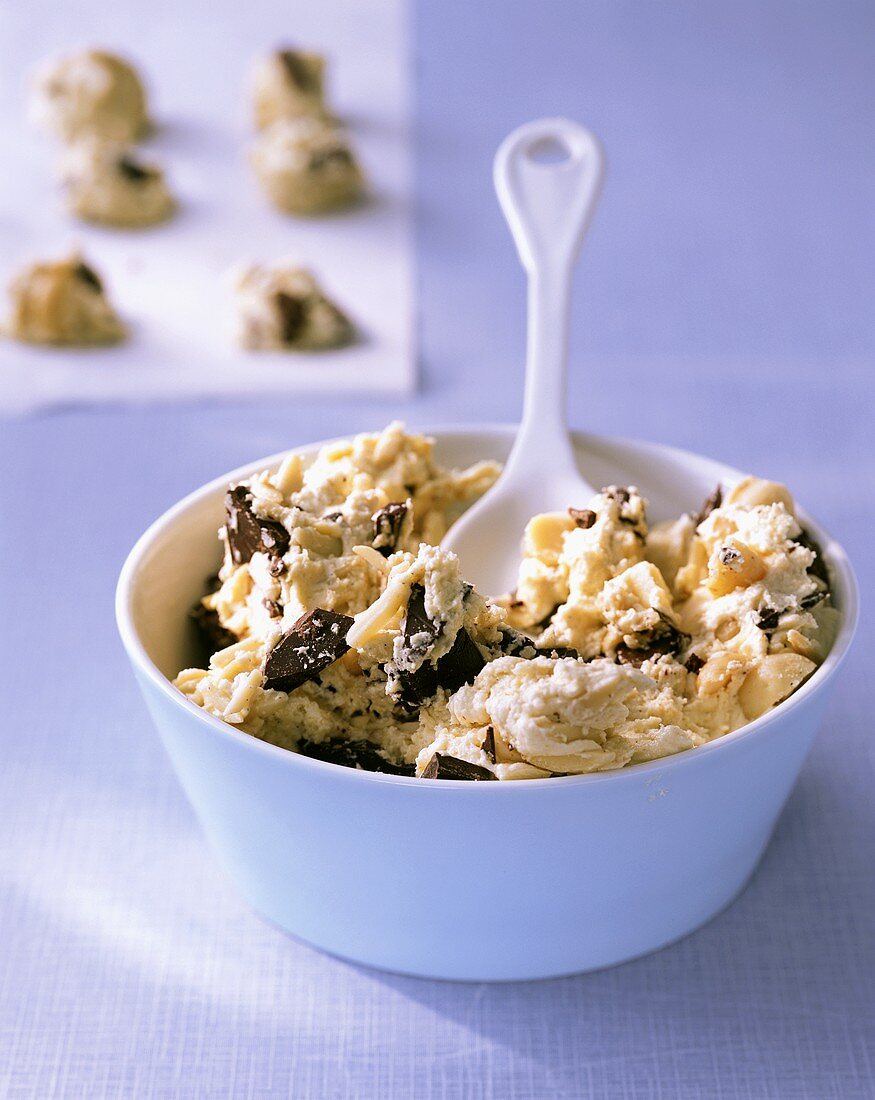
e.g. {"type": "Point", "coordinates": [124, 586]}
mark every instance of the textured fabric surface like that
{"type": "Point", "coordinates": [725, 294]}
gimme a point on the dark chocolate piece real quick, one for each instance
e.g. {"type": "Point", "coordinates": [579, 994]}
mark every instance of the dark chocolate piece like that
{"type": "Point", "coordinates": [623, 497]}
{"type": "Point", "coordinates": [134, 171]}
{"type": "Point", "coordinates": [273, 609]}
{"type": "Point", "coordinates": [298, 71]}
{"type": "Point", "coordinates": [666, 640]}
{"type": "Point", "coordinates": [448, 767]}
{"type": "Point", "coordinates": [387, 527]}
{"type": "Point", "coordinates": [633, 657]}
{"type": "Point", "coordinates": [583, 517]}
{"type": "Point", "coordinates": [818, 567]}
{"type": "Point", "coordinates": [559, 652]}
{"type": "Point", "coordinates": [212, 634]}
{"type": "Point", "coordinates": [513, 643]}
{"type": "Point", "coordinates": [353, 754]}
{"type": "Point", "coordinates": [813, 599]}
{"type": "Point", "coordinates": [292, 316]}
{"type": "Point", "coordinates": [316, 641]}
{"type": "Point", "coordinates": [713, 501]}
{"type": "Point", "coordinates": [462, 663]}
{"type": "Point", "coordinates": [767, 618]}
{"type": "Point", "coordinates": [337, 154]}
{"type": "Point", "coordinates": [729, 555]}
{"type": "Point", "coordinates": [488, 745]}
{"type": "Point", "coordinates": [89, 276]}
{"type": "Point", "coordinates": [457, 667]}
{"type": "Point", "coordinates": [417, 624]}
{"type": "Point", "coordinates": [247, 534]}
{"type": "Point", "coordinates": [693, 663]}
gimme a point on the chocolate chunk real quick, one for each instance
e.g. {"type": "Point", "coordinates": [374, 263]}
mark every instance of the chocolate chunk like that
{"type": "Point", "coordinates": [633, 657]}
{"type": "Point", "coordinates": [558, 652]}
{"type": "Point", "coordinates": [273, 609]}
{"type": "Point", "coordinates": [323, 158]}
{"type": "Point", "coordinates": [729, 555]}
{"type": "Point", "coordinates": [89, 276]}
{"type": "Point", "coordinates": [813, 599]}
{"type": "Point", "coordinates": [666, 640]}
{"type": "Point", "coordinates": [623, 497]}
{"type": "Point", "coordinates": [693, 663]}
{"type": "Point", "coordinates": [818, 567]}
{"type": "Point", "coordinates": [461, 665]}
{"type": "Point", "coordinates": [133, 171]}
{"type": "Point", "coordinates": [213, 636]}
{"type": "Point", "coordinates": [298, 71]}
{"type": "Point", "coordinates": [353, 754]}
{"type": "Point", "coordinates": [274, 537]}
{"type": "Point", "coordinates": [767, 618]}
{"type": "Point", "coordinates": [247, 534]}
{"type": "Point", "coordinates": [316, 641]}
{"type": "Point", "coordinates": [513, 643]}
{"type": "Point", "coordinates": [419, 630]}
{"type": "Point", "coordinates": [713, 501]}
{"type": "Point", "coordinates": [457, 667]}
{"type": "Point", "coordinates": [583, 517]}
{"type": "Point", "coordinates": [387, 527]}
{"type": "Point", "coordinates": [448, 767]}
{"type": "Point", "coordinates": [488, 745]}
{"type": "Point", "coordinates": [292, 316]}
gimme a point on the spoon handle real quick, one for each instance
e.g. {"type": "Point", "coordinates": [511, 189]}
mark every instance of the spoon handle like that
{"type": "Point", "coordinates": [547, 175]}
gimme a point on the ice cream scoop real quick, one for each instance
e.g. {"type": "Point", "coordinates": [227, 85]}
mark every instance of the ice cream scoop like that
{"type": "Point", "coordinates": [547, 175]}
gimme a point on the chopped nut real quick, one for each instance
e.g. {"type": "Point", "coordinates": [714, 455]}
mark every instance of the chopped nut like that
{"type": "Point", "coordinates": [545, 534]}
{"type": "Point", "coordinates": [752, 491]}
{"type": "Point", "coordinates": [734, 565]}
{"type": "Point", "coordinates": [718, 672]}
{"type": "Point", "coordinates": [802, 645]}
{"type": "Point", "coordinates": [771, 680]}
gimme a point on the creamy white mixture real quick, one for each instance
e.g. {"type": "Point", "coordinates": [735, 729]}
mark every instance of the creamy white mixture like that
{"type": "Point", "coordinates": [621, 643]}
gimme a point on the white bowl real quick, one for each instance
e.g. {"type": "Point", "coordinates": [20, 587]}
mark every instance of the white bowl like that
{"type": "Point", "coordinates": [480, 881]}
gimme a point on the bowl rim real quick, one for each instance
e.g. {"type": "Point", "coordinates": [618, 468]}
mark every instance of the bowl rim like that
{"type": "Point", "coordinates": [834, 553]}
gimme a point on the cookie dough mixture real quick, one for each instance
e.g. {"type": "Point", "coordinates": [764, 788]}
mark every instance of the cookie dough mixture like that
{"type": "Point", "coordinates": [61, 302]}
{"type": "Point", "coordinates": [283, 308]}
{"type": "Point", "coordinates": [107, 183]}
{"type": "Point", "coordinates": [288, 84]}
{"type": "Point", "coordinates": [306, 166]}
{"type": "Point", "coordinates": [92, 92]}
{"type": "Point", "coordinates": [340, 629]}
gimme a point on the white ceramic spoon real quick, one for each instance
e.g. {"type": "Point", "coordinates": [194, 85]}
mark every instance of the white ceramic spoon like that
{"type": "Point", "coordinates": [548, 202]}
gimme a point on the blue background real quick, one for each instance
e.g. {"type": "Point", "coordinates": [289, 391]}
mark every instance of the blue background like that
{"type": "Point", "coordinates": [724, 303]}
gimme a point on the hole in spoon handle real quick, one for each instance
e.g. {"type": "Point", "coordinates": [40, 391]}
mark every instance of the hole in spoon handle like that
{"type": "Point", "coordinates": [548, 175]}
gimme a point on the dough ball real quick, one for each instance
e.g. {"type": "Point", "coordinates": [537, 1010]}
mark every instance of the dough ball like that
{"type": "Point", "coordinates": [284, 308]}
{"type": "Point", "coordinates": [288, 84]}
{"type": "Point", "coordinates": [306, 166]}
{"type": "Point", "coordinates": [107, 183]}
{"type": "Point", "coordinates": [62, 302]}
{"type": "Point", "coordinates": [92, 92]}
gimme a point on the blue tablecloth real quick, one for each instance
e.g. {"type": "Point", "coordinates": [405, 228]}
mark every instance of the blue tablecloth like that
{"type": "Point", "coordinates": [724, 303]}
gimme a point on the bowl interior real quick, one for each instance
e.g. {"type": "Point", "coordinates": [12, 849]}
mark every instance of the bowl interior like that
{"type": "Point", "coordinates": [168, 569]}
